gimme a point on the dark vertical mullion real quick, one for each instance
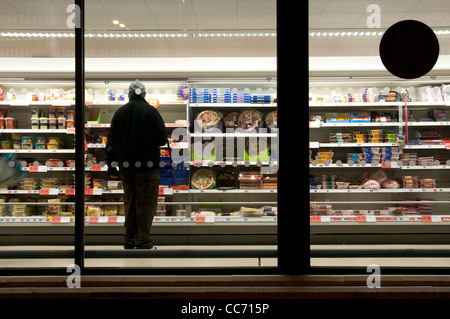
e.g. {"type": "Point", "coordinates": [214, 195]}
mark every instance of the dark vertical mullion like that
{"type": "Point", "coordinates": [293, 137]}
{"type": "Point", "coordinates": [79, 134]}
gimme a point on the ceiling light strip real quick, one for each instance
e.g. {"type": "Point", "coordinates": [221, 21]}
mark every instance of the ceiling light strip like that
{"type": "Point", "coordinates": [148, 35]}
{"type": "Point", "coordinates": [360, 33]}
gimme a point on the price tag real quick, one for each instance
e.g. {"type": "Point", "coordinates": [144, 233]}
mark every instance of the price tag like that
{"type": "Point", "coordinates": [56, 220]}
{"type": "Point", "coordinates": [204, 219]}
{"type": "Point", "coordinates": [316, 219]}
{"type": "Point", "coordinates": [96, 168]}
{"type": "Point", "coordinates": [70, 130]}
{"type": "Point", "coordinates": [33, 169]}
{"type": "Point", "coordinates": [426, 219]}
{"type": "Point", "coordinates": [103, 219]}
{"type": "Point", "coordinates": [93, 220]}
{"type": "Point", "coordinates": [313, 144]}
{"type": "Point", "coordinates": [44, 191]}
{"type": "Point", "coordinates": [431, 219]}
{"type": "Point", "coordinates": [120, 219]}
{"type": "Point", "coordinates": [447, 144]}
{"type": "Point", "coordinates": [112, 219]}
{"type": "Point", "coordinates": [69, 191]}
{"type": "Point", "coordinates": [314, 124]}
{"type": "Point", "coordinates": [366, 219]}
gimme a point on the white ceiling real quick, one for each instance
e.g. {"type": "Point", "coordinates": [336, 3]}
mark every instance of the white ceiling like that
{"type": "Point", "coordinates": [352, 14]}
{"type": "Point", "coordinates": [148, 15]}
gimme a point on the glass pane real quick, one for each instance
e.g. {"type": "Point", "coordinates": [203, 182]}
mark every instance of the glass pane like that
{"type": "Point", "coordinates": [378, 154]}
{"type": "Point", "coordinates": [216, 201]}
{"type": "Point", "coordinates": [36, 99]}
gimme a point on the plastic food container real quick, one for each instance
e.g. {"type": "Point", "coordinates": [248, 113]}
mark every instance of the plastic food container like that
{"type": "Point", "coordinates": [6, 145]}
{"type": "Point", "coordinates": [40, 146]}
{"type": "Point", "coordinates": [17, 145]}
{"type": "Point", "coordinates": [61, 122]}
{"type": "Point", "coordinates": [9, 123]}
{"type": "Point", "coordinates": [27, 146]}
{"type": "Point", "coordinates": [43, 123]}
{"type": "Point", "coordinates": [51, 112]}
{"type": "Point", "coordinates": [60, 112]}
{"type": "Point", "coordinates": [34, 123]}
{"type": "Point", "coordinates": [71, 115]}
{"type": "Point", "coordinates": [53, 140]}
{"type": "Point", "coordinates": [52, 146]}
{"type": "Point", "coordinates": [41, 140]}
{"type": "Point", "coordinates": [70, 123]}
{"type": "Point", "coordinates": [26, 139]}
{"type": "Point", "coordinates": [52, 122]}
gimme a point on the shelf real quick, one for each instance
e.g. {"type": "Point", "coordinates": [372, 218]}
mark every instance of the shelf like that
{"type": "Point", "coordinates": [377, 124]}
{"type": "Point", "coordinates": [238, 105]}
{"type": "Point", "coordinates": [379, 191]}
{"type": "Point", "coordinates": [34, 151]}
{"type": "Point", "coordinates": [121, 219]}
{"type": "Point", "coordinates": [56, 131]}
{"type": "Point", "coordinates": [320, 145]}
{"type": "Point", "coordinates": [376, 104]}
{"type": "Point", "coordinates": [380, 218]}
{"type": "Point", "coordinates": [109, 125]}
{"type": "Point", "coordinates": [225, 135]}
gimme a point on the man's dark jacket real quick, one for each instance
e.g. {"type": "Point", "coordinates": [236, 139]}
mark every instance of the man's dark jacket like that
{"type": "Point", "coordinates": [136, 133]}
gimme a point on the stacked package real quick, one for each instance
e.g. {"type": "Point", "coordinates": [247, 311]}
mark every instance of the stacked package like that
{"type": "Point", "coordinates": [324, 155]}
{"type": "Point", "coordinates": [427, 183]}
{"type": "Point", "coordinates": [221, 96]}
{"type": "Point", "coordinates": [410, 182]}
{"type": "Point", "coordinates": [431, 94]}
{"type": "Point", "coordinates": [200, 95]}
{"type": "Point", "coordinates": [425, 160]}
{"type": "Point", "coordinates": [367, 95]}
{"type": "Point", "coordinates": [250, 180]}
{"type": "Point", "coordinates": [240, 97]}
{"type": "Point", "coordinates": [389, 154]}
{"type": "Point", "coordinates": [270, 182]}
{"type": "Point", "coordinates": [409, 159]}
{"type": "Point", "coordinates": [259, 98]}
{"type": "Point", "coordinates": [371, 154]}
{"type": "Point", "coordinates": [341, 138]}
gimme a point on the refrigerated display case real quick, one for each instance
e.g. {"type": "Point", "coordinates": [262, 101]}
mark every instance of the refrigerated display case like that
{"type": "Point", "coordinates": [379, 166]}
{"type": "Point", "coordinates": [226, 197]}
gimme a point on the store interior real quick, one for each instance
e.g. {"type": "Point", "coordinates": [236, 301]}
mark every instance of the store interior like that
{"type": "Point", "coordinates": [220, 57]}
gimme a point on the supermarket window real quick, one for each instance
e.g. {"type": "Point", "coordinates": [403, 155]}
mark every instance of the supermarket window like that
{"type": "Point", "coordinates": [378, 141]}
{"type": "Point", "coordinates": [37, 148]}
{"type": "Point", "coordinates": [209, 70]}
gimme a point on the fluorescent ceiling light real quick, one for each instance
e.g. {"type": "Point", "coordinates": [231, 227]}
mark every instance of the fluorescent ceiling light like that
{"type": "Point", "coordinates": [361, 33]}
{"type": "Point", "coordinates": [142, 34]}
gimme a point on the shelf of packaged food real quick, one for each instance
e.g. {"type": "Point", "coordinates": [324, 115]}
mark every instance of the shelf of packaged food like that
{"type": "Point", "coordinates": [419, 147]}
{"type": "Point", "coordinates": [238, 105]}
{"type": "Point", "coordinates": [37, 151]}
{"type": "Point", "coordinates": [209, 163]}
{"type": "Point", "coordinates": [109, 125]}
{"type": "Point", "coordinates": [120, 103]}
{"type": "Point", "coordinates": [383, 165]}
{"type": "Point", "coordinates": [37, 103]}
{"type": "Point", "coordinates": [88, 191]}
{"type": "Point", "coordinates": [379, 218]}
{"type": "Point", "coordinates": [225, 135]}
{"type": "Point", "coordinates": [174, 145]}
{"type": "Point", "coordinates": [120, 219]}
{"type": "Point", "coordinates": [352, 124]}
{"type": "Point", "coordinates": [55, 131]}
{"type": "Point", "coordinates": [319, 145]}
{"type": "Point", "coordinates": [377, 124]}
{"type": "Point", "coordinates": [384, 202]}
{"type": "Point", "coordinates": [226, 191]}
{"type": "Point", "coordinates": [379, 191]}
{"type": "Point", "coordinates": [376, 104]}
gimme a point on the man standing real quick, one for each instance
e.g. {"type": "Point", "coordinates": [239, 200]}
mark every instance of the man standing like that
{"type": "Point", "coordinates": [136, 133]}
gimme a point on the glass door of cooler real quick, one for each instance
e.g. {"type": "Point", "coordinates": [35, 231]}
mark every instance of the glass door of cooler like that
{"type": "Point", "coordinates": [378, 141]}
{"type": "Point", "coordinates": [208, 199]}
{"type": "Point", "coordinates": [37, 97]}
